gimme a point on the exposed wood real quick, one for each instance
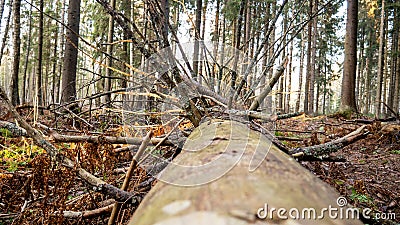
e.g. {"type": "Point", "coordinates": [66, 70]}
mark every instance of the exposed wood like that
{"type": "Point", "coordinates": [237, 195]}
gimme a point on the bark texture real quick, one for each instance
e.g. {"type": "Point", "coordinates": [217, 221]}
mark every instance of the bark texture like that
{"type": "Point", "coordinates": [71, 53]}
{"type": "Point", "coordinates": [350, 58]}
{"type": "Point", "coordinates": [237, 195]}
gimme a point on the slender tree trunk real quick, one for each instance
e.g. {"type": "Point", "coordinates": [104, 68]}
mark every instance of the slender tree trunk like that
{"type": "Point", "coordinates": [395, 51]}
{"type": "Point", "coordinates": [132, 54]}
{"type": "Point", "coordinates": [308, 70]}
{"type": "Point", "coordinates": [266, 54]}
{"type": "Point", "coordinates": [234, 95]}
{"type": "Point", "coordinates": [301, 69]}
{"type": "Point", "coordinates": [16, 45]}
{"type": "Point", "coordinates": [199, 7]}
{"type": "Point", "coordinates": [313, 60]}
{"type": "Point", "coordinates": [289, 76]}
{"type": "Point", "coordinates": [108, 81]}
{"type": "Point", "coordinates": [4, 41]}
{"type": "Point", "coordinates": [221, 59]}
{"type": "Point", "coordinates": [54, 69]}
{"type": "Point", "coordinates": [360, 69]}
{"type": "Point", "coordinates": [27, 54]}
{"type": "Point", "coordinates": [71, 53]}
{"type": "Point", "coordinates": [282, 79]}
{"type": "Point", "coordinates": [348, 101]}
{"type": "Point", "coordinates": [39, 70]}
{"type": "Point", "coordinates": [318, 84]}
{"type": "Point", "coordinates": [2, 3]}
{"type": "Point", "coordinates": [397, 80]}
{"type": "Point", "coordinates": [378, 95]}
{"type": "Point", "coordinates": [215, 38]}
{"type": "Point", "coordinates": [61, 53]}
{"type": "Point", "coordinates": [203, 29]}
{"type": "Point", "coordinates": [272, 14]}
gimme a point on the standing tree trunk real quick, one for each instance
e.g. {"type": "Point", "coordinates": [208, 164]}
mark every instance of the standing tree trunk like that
{"type": "Point", "coordinates": [308, 70]}
{"type": "Point", "coordinates": [199, 7]}
{"type": "Point", "coordinates": [394, 53]}
{"type": "Point", "coordinates": [381, 61]}
{"type": "Point", "coordinates": [313, 59]}
{"type": "Point", "coordinates": [289, 77]}
{"type": "Point", "coordinates": [348, 98]}
{"type": "Point", "coordinates": [39, 70]}
{"type": "Point", "coordinates": [301, 68]}
{"type": "Point", "coordinates": [54, 68]}
{"type": "Point", "coordinates": [107, 81]}
{"type": "Point", "coordinates": [71, 53]}
{"type": "Point", "coordinates": [6, 29]}
{"type": "Point", "coordinates": [16, 45]}
{"type": "Point", "coordinates": [27, 54]}
{"type": "Point", "coordinates": [2, 3]}
{"type": "Point", "coordinates": [397, 80]}
{"type": "Point", "coordinates": [60, 53]}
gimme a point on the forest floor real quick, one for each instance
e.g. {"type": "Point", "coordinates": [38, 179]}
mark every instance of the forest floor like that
{"type": "Point", "coordinates": [370, 175]}
{"type": "Point", "coordinates": [34, 190]}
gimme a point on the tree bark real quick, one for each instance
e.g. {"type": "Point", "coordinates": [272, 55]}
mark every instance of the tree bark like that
{"type": "Point", "coordinates": [2, 3]}
{"type": "Point", "coordinates": [381, 61]}
{"type": "Point", "coordinates": [309, 42]}
{"type": "Point", "coordinates": [313, 58]}
{"type": "Point", "coordinates": [71, 53]}
{"type": "Point", "coordinates": [301, 68]}
{"type": "Point", "coordinates": [199, 7]}
{"type": "Point", "coordinates": [6, 29]}
{"type": "Point", "coordinates": [39, 69]}
{"type": "Point", "coordinates": [107, 81]}
{"type": "Point", "coordinates": [348, 98]}
{"type": "Point", "coordinates": [237, 196]}
{"type": "Point", "coordinates": [16, 45]}
{"type": "Point", "coordinates": [27, 54]}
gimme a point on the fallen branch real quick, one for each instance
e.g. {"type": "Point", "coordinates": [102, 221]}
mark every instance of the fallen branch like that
{"type": "Point", "coordinates": [284, 138]}
{"type": "Point", "coordinates": [101, 139]}
{"type": "Point", "coordinates": [299, 131]}
{"type": "Point", "coordinates": [87, 214]}
{"type": "Point", "coordinates": [329, 147]}
{"type": "Point", "coordinates": [289, 115]}
{"type": "Point", "coordinates": [125, 149]}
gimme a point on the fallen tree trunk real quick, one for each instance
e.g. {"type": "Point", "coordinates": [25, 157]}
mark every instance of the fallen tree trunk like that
{"type": "Point", "coordinates": [215, 180]}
